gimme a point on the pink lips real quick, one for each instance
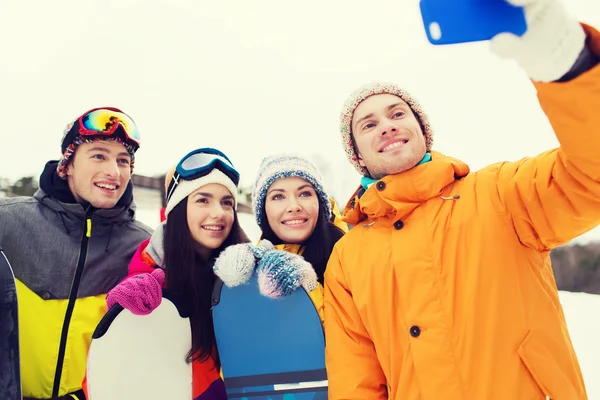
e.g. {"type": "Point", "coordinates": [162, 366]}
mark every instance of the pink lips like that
{"type": "Point", "coordinates": [301, 222]}
{"type": "Point", "coordinates": [214, 232]}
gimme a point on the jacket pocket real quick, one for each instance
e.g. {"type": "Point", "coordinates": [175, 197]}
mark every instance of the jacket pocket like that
{"type": "Point", "coordinates": [546, 370]}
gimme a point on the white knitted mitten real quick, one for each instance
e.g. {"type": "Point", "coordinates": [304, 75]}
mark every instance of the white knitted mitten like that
{"type": "Point", "coordinates": [235, 265]}
{"type": "Point", "coordinates": [551, 45]}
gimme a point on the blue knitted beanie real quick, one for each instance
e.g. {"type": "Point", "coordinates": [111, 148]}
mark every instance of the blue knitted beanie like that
{"type": "Point", "coordinates": [282, 166]}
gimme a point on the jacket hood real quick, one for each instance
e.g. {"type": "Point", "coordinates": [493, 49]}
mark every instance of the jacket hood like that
{"type": "Point", "coordinates": [54, 193]}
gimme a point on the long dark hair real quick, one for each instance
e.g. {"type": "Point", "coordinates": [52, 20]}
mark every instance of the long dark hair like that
{"type": "Point", "coordinates": [191, 278]}
{"type": "Point", "coordinates": [318, 246]}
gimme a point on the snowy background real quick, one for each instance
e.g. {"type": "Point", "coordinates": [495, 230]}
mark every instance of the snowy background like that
{"type": "Point", "coordinates": [255, 78]}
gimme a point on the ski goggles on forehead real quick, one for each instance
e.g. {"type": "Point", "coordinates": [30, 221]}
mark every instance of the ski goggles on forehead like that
{"type": "Point", "coordinates": [199, 163]}
{"type": "Point", "coordinates": [106, 121]}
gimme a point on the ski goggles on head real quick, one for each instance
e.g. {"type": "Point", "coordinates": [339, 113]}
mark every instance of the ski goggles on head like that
{"type": "Point", "coordinates": [105, 122]}
{"type": "Point", "coordinates": [199, 163]}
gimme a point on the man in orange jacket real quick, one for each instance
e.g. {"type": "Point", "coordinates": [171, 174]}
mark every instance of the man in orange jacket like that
{"type": "Point", "coordinates": [444, 289]}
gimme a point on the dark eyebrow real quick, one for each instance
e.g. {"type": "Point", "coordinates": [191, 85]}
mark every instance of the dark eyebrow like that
{"type": "Point", "coordinates": [308, 185]}
{"type": "Point", "coordinates": [395, 105]}
{"type": "Point", "coordinates": [275, 190]}
{"type": "Point", "coordinates": [363, 118]}
{"type": "Point", "coordinates": [210, 196]}
{"type": "Point", "coordinates": [388, 108]}
{"type": "Point", "coordinates": [104, 150]}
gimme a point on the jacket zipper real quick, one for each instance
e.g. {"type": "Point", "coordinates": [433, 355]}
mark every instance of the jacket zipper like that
{"type": "Point", "coordinates": [83, 249]}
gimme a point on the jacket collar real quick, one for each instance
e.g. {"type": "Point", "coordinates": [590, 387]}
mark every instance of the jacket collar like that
{"type": "Point", "coordinates": [155, 248]}
{"type": "Point", "coordinates": [291, 248]}
{"type": "Point", "coordinates": [401, 193]}
{"type": "Point", "coordinates": [55, 194]}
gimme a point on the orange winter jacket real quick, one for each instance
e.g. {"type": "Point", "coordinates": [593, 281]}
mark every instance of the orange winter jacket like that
{"type": "Point", "coordinates": [431, 296]}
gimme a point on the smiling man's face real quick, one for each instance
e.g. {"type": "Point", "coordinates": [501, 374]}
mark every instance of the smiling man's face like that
{"type": "Point", "coordinates": [388, 136]}
{"type": "Point", "coordinates": [99, 173]}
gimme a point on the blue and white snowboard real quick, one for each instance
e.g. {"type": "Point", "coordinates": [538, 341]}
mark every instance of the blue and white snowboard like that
{"type": "Point", "coordinates": [270, 349]}
{"type": "Point", "coordinates": [141, 357]}
{"type": "Point", "coordinates": [10, 373]}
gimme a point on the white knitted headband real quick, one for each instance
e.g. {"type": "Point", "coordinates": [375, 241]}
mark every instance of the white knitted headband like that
{"type": "Point", "coordinates": [185, 188]}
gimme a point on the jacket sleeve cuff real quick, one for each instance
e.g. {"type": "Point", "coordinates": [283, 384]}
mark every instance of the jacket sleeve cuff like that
{"type": "Point", "coordinates": [588, 58]}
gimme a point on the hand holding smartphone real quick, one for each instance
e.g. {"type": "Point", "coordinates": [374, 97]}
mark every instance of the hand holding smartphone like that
{"type": "Point", "coordinates": [461, 21]}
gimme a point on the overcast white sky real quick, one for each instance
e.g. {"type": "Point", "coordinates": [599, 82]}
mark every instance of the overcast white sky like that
{"type": "Point", "coordinates": [252, 78]}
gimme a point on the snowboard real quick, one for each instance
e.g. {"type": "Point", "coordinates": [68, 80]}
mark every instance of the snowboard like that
{"type": "Point", "coordinates": [10, 366]}
{"type": "Point", "coordinates": [270, 349]}
{"type": "Point", "coordinates": [141, 357]}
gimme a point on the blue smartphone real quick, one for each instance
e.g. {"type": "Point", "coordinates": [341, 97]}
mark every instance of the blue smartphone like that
{"type": "Point", "coordinates": [461, 21]}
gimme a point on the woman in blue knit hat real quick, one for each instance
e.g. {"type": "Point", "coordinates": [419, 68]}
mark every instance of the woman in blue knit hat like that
{"type": "Point", "coordinates": [295, 214]}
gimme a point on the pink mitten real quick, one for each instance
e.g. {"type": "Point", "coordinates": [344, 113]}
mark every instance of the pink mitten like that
{"type": "Point", "coordinates": [140, 294]}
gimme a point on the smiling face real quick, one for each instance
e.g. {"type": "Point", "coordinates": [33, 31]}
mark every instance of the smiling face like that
{"type": "Point", "coordinates": [292, 209]}
{"type": "Point", "coordinates": [388, 136]}
{"type": "Point", "coordinates": [210, 216]}
{"type": "Point", "coordinates": [99, 173]}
